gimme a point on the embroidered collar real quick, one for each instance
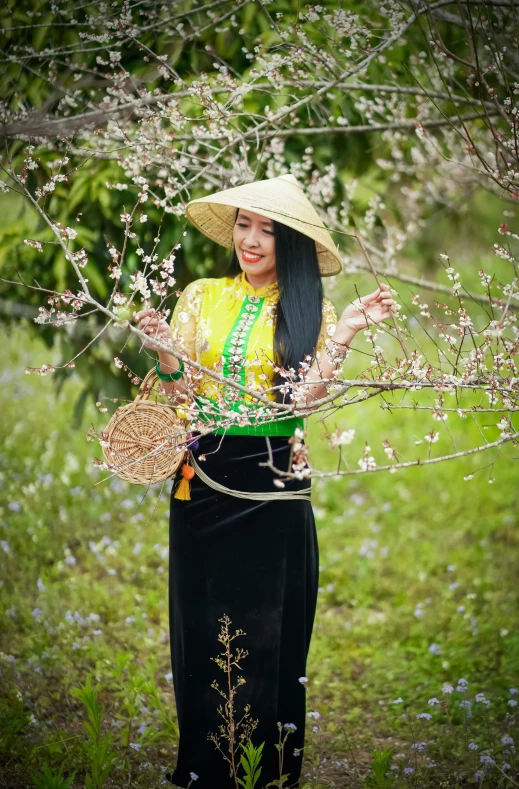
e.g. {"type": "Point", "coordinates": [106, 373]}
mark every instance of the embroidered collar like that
{"type": "Point", "coordinates": [243, 286]}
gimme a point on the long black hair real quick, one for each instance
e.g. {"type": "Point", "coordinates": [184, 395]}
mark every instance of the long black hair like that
{"type": "Point", "coordinates": [299, 311]}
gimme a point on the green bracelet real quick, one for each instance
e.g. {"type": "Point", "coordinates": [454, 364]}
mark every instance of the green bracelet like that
{"type": "Point", "coordinates": [170, 376]}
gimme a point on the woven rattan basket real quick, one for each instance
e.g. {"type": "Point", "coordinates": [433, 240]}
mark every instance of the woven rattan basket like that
{"type": "Point", "coordinates": [144, 442]}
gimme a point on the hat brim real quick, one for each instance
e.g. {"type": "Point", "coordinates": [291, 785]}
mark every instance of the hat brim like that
{"type": "Point", "coordinates": [214, 216]}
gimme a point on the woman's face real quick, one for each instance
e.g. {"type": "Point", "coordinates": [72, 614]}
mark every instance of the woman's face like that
{"type": "Point", "coordinates": [255, 246]}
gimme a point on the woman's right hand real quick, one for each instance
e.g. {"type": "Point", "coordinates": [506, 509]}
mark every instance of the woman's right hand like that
{"type": "Point", "coordinates": [153, 324]}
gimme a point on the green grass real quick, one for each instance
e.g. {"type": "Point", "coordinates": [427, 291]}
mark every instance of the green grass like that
{"type": "Point", "coordinates": [418, 589]}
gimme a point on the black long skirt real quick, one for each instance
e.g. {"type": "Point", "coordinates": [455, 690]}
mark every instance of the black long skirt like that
{"type": "Point", "coordinates": [255, 562]}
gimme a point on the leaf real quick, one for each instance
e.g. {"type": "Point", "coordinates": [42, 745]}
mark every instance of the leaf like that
{"type": "Point", "coordinates": [77, 192]}
{"type": "Point", "coordinates": [49, 780]}
{"type": "Point", "coordinates": [60, 270]}
{"type": "Point", "coordinates": [90, 731]}
{"type": "Point", "coordinates": [279, 782]}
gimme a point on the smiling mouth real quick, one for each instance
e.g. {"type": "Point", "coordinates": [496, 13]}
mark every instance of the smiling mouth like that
{"type": "Point", "coordinates": [250, 257]}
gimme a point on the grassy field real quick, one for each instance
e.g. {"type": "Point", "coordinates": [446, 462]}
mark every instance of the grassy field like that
{"type": "Point", "coordinates": [413, 671]}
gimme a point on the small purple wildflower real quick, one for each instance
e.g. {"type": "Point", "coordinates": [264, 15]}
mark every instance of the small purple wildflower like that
{"type": "Point", "coordinates": [467, 706]}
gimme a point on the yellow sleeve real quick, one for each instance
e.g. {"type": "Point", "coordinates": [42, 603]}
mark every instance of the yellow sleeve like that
{"type": "Point", "coordinates": [327, 327]}
{"type": "Point", "coordinates": [185, 317]}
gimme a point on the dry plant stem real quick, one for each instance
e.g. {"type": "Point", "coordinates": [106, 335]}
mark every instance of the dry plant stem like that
{"type": "Point", "coordinates": [227, 661]}
{"type": "Point", "coordinates": [373, 271]}
{"type": "Point", "coordinates": [475, 66]}
{"type": "Point", "coordinates": [322, 474]}
{"type": "Point", "coordinates": [313, 131]}
{"type": "Point", "coordinates": [52, 128]}
{"type": "Point", "coordinates": [64, 247]}
{"type": "Point", "coordinates": [425, 284]}
{"type": "Point", "coordinates": [470, 410]}
{"type": "Point", "coordinates": [488, 114]}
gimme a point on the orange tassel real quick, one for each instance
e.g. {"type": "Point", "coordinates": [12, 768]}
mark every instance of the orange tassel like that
{"type": "Point", "coordinates": [183, 490]}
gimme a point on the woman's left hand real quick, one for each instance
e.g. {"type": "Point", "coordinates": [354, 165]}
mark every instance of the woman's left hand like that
{"type": "Point", "coordinates": [368, 310]}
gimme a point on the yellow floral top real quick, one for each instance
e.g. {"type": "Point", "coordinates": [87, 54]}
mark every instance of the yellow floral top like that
{"type": "Point", "coordinates": [227, 326]}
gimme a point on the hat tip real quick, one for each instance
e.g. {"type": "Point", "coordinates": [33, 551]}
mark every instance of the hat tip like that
{"type": "Point", "coordinates": [292, 179]}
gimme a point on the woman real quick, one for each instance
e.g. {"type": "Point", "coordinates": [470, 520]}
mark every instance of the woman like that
{"type": "Point", "coordinates": [251, 557]}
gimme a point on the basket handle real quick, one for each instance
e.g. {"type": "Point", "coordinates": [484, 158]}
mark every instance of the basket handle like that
{"type": "Point", "coordinates": [146, 387]}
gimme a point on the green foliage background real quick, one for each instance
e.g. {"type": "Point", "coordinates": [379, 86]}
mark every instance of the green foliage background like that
{"type": "Point", "coordinates": [417, 588]}
{"type": "Point", "coordinates": [354, 155]}
{"type": "Point", "coordinates": [418, 569]}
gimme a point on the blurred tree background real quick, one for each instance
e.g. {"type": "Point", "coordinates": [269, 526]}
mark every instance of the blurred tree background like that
{"type": "Point", "coordinates": [88, 83]}
{"type": "Point", "coordinates": [400, 121]}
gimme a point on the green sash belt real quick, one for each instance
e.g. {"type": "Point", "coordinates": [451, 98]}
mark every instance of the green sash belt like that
{"type": "Point", "coordinates": [284, 427]}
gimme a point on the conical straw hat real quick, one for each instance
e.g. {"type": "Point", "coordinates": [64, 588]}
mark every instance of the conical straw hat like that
{"type": "Point", "coordinates": [278, 198]}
